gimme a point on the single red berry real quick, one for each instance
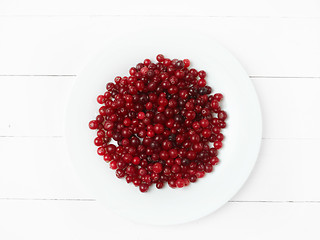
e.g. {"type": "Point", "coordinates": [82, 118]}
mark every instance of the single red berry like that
{"type": "Point", "coordinates": [120, 173]}
{"type": "Point", "coordinates": [136, 160]}
{"type": "Point", "coordinates": [150, 133]}
{"type": "Point", "coordinates": [202, 82]}
{"type": "Point", "coordinates": [127, 122]}
{"type": "Point", "coordinates": [172, 183]}
{"type": "Point", "coordinates": [101, 151]}
{"type": "Point", "coordinates": [215, 104]}
{"type": "Point", "coordinates": [222, 115]}
{"type": "Point", "coordinates": [158, 128]}
{"type": "Point", "coordinates": [107, 158]}
{"type": "Point", "coordinates": [142, 172]}
{"type": "Point", "coordinates": [196, 125]}
{"type": "Point", "coordinates": [98, 141]}
{"type": "Point", "coordinates": [179, 74]}
{"type": "Point", "coordinates": [208, 168]}
{"type": "Point", "coordinates": [160, 58]}
{"type": "Point", "coordinates": [218, 97]}
{"type": "Point", "coordinates": [204, 123]}
{"type": "Point", "coordinates": [214, 161]}
{"type": "Point", "coordinates": [180, 183]}
{"type": "Point", "coordinates": [202, 74]}
{"type": "Point", "coordinates": [175, 168]}
{"type": "Point", "coordinates": [113, 165]}
{"type": "Point", "coordinates": [206, 133]}
{"type": "Point", "coordinates": [101, 99]}
{"type": "Point", "coordinates": [159, 185]}
{"type": "Point", "coordinates": [143, 187]}
{"type": "Point", "coordinates": [144, 70]}
{"type": "Point", "coordinates": [141, 115]}
{"type": "Point", "coordinates": [186, 63]}
{"type": "Point", "coordinates": [200, 174]}
{"type": "Point", "coordinates": [147, 62]}
{"type": "Point", "coordinates": [149, 106]}
{"type": "Point", "coordinates": [93, 124]}
{"type": "Point", "coordinates": [136, 182]}
{"type": "Point", "coordinates": [173, 153]}
{"type": "Point", "coordinates": [217, 144]}
{"type": "Point", "coordinates": [157, 168]}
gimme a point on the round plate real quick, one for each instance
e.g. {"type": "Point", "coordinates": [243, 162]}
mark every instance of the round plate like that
{"type": "Point", "coordinates": [242, 135]}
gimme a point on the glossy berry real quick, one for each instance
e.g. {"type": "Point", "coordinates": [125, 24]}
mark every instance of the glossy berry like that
{"type": "Point", "coordinates": [159, 185]}
{"type": "Point", "coordinates": [143, 187]}
{"type": "Point", "coordinates": [136, 160]}
{"type": "Point", "coordinates": [180, 183]}
{"type": "Point", "coordinates": [202, 74]}
{"type": "Point", "coordinates": [202, 82]}
{"type": "Point", "coordinates": [141, 115]}
{"type": "Point", "coordinates": [157, 168]}
{"type": "Point", "coordinates": [217, 144]}
{"type": "Point", "coordinates": [186, 63]}
{"type": "Point", "coordinates": [93, 124]}
{"type": "Point", "coordinates": [160, 58]}
{"type": "Point", "coordinates": [101, 99]}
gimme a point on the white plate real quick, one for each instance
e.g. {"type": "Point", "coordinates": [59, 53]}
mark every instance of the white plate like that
{"type": "Point", "coordinates": [242, 135]}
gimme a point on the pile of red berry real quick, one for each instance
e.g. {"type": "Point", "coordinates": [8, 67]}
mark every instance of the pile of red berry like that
{"type": "Point", "coordinates": [163, 118]}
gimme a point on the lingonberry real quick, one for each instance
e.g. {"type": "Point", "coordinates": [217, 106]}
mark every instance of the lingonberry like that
{"type": "Point", "coordinates": [160, 58]}
{"type": "Point", "coordinates": [180, 183]}
{"type": "Point", "coordinates": [157, 168]}
{"type": "Point", "coordinates": [202, 74]}
{"type": "Point", "coordinates": [186, 63]}
{"type": "Point", "coordinates": [144, 187]}
{"type": "Point", "coordinates": [202, 83]}
{"type": "Point", "coordinates": [159, 185]}
{"type": "Point", "coordinates": [93, 124]}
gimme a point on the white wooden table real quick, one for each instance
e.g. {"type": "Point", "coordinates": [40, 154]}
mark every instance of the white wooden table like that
{"type": "Point", "coordinates": [43, 46]}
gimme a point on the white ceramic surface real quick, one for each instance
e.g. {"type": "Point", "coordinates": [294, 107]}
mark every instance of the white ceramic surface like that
{"type": "Point", "coordinates": [242, 136]}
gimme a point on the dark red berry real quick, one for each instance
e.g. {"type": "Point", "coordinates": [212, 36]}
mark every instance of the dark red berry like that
{"type": "Point", "coordinates": [160, 58]}
{"type": "Point", "coordinates": [143, 187]}
{"type": "Point", "coordinates": [157, 168]}
{"type": "Point", "coordinates": [93, 124]}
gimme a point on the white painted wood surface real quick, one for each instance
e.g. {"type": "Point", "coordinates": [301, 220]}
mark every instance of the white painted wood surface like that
{"type": "Point", "coordinates": [45, 44]}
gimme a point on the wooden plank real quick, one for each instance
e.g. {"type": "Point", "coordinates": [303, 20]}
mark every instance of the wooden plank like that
{"type": "Point", "coordinates": [35, 106]}
{"type": "Point", "coordinates": [63, 45]}
{"type": "Point", "coordinates": [37, 168]}
{"type": "Point", "coordinates": [88, 220]}
{"type": "Point", "coordinates": [282, 8]}
{"type": "Point", "coordinates": [286, 170]}
{"type": "Point", "coordinates": [289, 107]}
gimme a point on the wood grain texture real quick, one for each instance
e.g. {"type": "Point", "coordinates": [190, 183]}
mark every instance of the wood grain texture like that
{"type": "Point", "coordinates": [286, 47]}
{"type": "Point", "coordinates": [33, 106]}
{"type": "Point", "coordinates": [39, 168]}
{"type": "Point", "coordinates": [265, 8]}
{"type": "Point", "coordinates": [88, 220]}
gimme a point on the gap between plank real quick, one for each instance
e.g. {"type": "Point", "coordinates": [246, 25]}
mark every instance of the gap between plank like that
{"type": "Point", "coordinates": [50, 199]}
{"type": "Point", "coordinates": [5, 136]}
{"type": "Point", "coordinates": [75, 75]}
{"type": "Point", "coordinates": [61, 136]}
{"type": "Point", "coordinates": [156, 16]}
{"type": "Point", "coordinates": [271, 201]}
{"type": "Point", "coordinates": [93, 200]}
{"type": "Point", "coordinates": [38, 75]}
